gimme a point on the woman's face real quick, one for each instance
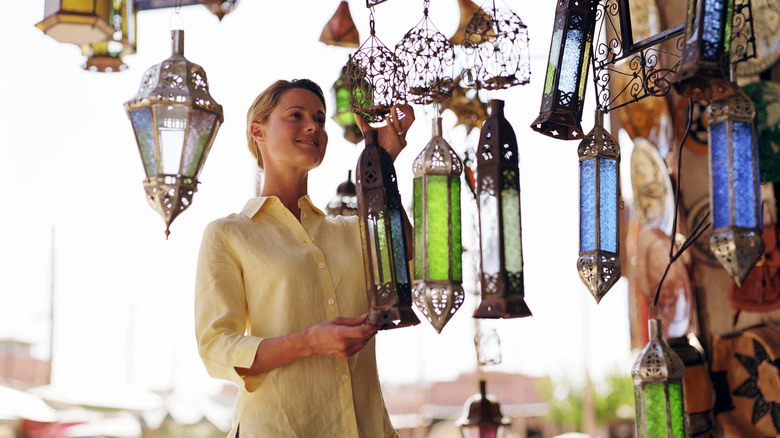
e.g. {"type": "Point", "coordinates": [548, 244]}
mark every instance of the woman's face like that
{"type": "Point", "coordinates": [294, 134]}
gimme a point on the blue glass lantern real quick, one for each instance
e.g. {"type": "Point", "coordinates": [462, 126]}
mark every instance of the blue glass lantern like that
{"type": "Point", "coordinates": [599, 261]}
{"type": "Point", "coordinates": [735, 197]}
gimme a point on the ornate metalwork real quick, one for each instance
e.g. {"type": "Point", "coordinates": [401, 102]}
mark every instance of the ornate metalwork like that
{"type": "Point", "coordinates": [429, 60]}
{"type": "Point", "coordinates": [743, 39]}
{"type": "Point", "coordinates": [376, 78]}
{"type": "Point", "coordinates": [496, 43]}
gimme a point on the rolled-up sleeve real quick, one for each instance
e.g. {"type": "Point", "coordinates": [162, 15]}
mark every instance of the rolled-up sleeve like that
{"type": "Point", "coordinates": [221, 312]}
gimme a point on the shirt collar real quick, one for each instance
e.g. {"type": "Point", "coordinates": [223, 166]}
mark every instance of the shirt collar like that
{"type": "Point", "coordinates": [254, 204]}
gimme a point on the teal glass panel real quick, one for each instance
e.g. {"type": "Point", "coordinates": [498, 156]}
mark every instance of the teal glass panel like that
{"type": "Point", "coordinates": [438, 228]}
{"type": "Point", "coordinates": [676, 410]}
{"type": "Point", "coordinates": [199, 138]}
{"type": "Point", "coordinates": [719, 173]}
{"type": "Point", "coordinates": [398, 248]}
{"type": "Point", "coordinates": [510, 213]}
{"type": "Point", "coordinates": [142, 125]}
{"type": "Point", "coordinates": [457, 238]}
{"type": "Point", "coordinates": [570, 62]}
{"type": "Point", "coordinates": [588, 205]}
{"type": "Point", "coordinates": [419, 228]}
{"type": "Point", "coordinates": [488, 232]}
{"type": "Point", "coordinates": [745, 180]}
{"type": "Point", "coordinates": [655, 409]}
{"type": "Point", "coordinates": [712, 30]}
{"type": "Point", "coordinates": [608, 205]}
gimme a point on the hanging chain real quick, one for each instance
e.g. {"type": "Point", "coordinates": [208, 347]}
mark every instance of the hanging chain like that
{"type": "Point", "coordinates": [371, 21]}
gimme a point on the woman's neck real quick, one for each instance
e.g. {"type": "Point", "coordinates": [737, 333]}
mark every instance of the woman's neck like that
{"type": "Point", "coordinates": [288, 187]}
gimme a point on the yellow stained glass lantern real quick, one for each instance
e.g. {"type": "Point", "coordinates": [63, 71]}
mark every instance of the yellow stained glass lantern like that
{"type": "Point", "coordinates": [77, 21]}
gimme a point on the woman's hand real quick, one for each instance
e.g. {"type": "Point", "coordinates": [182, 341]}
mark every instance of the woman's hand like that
{"type": "Point", "coordinates": [392, 136]}
{"type": "Point", "coordinates": [341, 337]}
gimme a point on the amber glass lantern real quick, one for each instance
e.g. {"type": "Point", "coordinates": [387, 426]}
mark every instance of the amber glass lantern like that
{"type": "Point", "coordinates": [567, 70]}
{"type": "Point", "coordinates": [382, 229]}
{"type": "Point", "coordinates": [658, 389]}
{"type": "Point", "coordinates": [345, 202]}
{"type": "Point", "coordinates": [77, 21]}
{"type": "Point", "coordinates": [735, 196]}
{"type": "Point", "coordinates": [340, 30]}
{"type": "Point", "coordinates": [482, 417]}
{"type": "Point", "coordinates": [175, 120]}
{"type": "Point", "coordinates": [106, 56]}
{"type": "Point", "coordinates": [500, 241]}
{"type": "Point", "coordinates": [438, 269]}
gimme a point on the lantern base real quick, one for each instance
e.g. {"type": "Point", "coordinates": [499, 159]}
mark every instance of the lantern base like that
{"type": "Point", "coordinates": [514, 307]}
{"type": "Point", "coordinates": [703, 82]}
{"type": "Point", "coordinates": [737, 249]}
{"type": "Point", "coordinates": [104, 64]}
{"type": "Point", "coordinates": [76, 28]}
{"type": "Point", "coordinates": [560, 125]}
{"type": "Point", "coordinates": [438, 301]}
{"type": "Point", "coordinates": [170, 195]}
{"type": "Point", "coordinates": [387, 319]}
{"type": "Point", "coordinates": [599, 270]}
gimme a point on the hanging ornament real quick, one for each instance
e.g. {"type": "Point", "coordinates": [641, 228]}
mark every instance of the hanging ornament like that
{"type": "Point", "coordinates": [500, 241]}
{"type": "Point", "coordinates": [599, 260]}
{"type": "Point", "coordinates": [467, 106]}
{"type": "Point", "coordinates": [344, 115]}
{"type": "Point", "coordinates": [106, 56]}
{"type": "Point", "coordinates": [376, 78]}
{"type": "Point", "coordinates": [340, 30]}
{"type": "Point", "coordinates": [467, 11]}
{"type": "Point", "coordinates": [220, 8]}
{"type": "Point", "coordinates": [428, 59]}
{"type": "Point", "coordinates": [345, 202]}
{"type": "Point", "coordinates": [77, 21]}
{"type": "Point", "coordinates": [482, 417]}
{"type": "Point", "coordinates": [438, 268]}
{"type": "Point", "coordinates": [385, 250]}
{"type": "Point", "coordinates": [498, 52]}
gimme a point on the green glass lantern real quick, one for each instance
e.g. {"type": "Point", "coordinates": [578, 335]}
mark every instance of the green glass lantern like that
{"type": "Point", "coordinates": [106, 56]}
{"type": "Point", "coordinates": [735, 195]}
{"type": "Point", "coordinates": [567, 70]}
{"type": "Point", "coordinates": [658, 390]}
{"type": "Point", "coordinates": [500, 240]}
{"type": "Point", "coordinates": [344, 116]}
{"type": "Point", "coordinates": [175, 120]}
{"type": "Point", "coordinates": [438, 270]}
{"type": "Point", "coordinates": [77, 21]}
{"type": "Point", "coordinates": [599, 260]}
{"type": "Point", "coordinates": [382, 229]}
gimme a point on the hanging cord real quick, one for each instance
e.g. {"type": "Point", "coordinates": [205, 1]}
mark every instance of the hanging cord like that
{"type": "Point", "coordinates": [700, 226]}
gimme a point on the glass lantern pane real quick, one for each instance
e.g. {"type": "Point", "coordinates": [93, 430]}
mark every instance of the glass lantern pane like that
{"type": "Point", "coordinates": [712, 29]}
{"type": "Point", "coordinates": [745, 179]}
{"type": "Point", "coordinates": [419, 227]}
{"type": "Point", "coordinates": [171, 123]}
{"type": "Point", "coordinates": [199, 138]}
{"type": "Point", "coordinates": [438, 227]}
{"type": "Point", "coordinates": [457, 244]}
{"type": "Point", "coordinates": [588, 205]}
{"type": "Point", "coordinates": [608, 205]}
{"type": "Point", "coordinates": [488, 232]}
{"type": "Point", "coordinates": [552, 62]}
{"type": "Point", "coordinates": [398, 240]}
{"type": "Point", "coordinates": [639, 411]}
{"type": "Point", "coordinates": [570, 62]}
{"type": "Point", "coordinates": [344, 115]}
{"type": "Point", "coordinates": [142, 125]}
{"type": "Point", "coordinates": [373, 245]}
{"type": "Point", "coordinates": [655, 409]}
{"type": "Point", "coordinates": [513, 247]}
{"type": "Point", "coordinates": [719, 173]}
{"type": "Point", "coordinates": [676, 410]}
{"type": "Point", "coordinates": [383, 246]}
{"type": "Point", "coordinates": [583, 73]}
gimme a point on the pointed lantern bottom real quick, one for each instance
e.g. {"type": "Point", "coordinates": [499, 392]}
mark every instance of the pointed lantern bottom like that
{"type": "Point", "coordinates": [170, 195]}
{"type": "Point", "coordinates": [438, 301]}
{"type": "Point", "coordinates": [599, 272]}
{"type": "Point", "coordinates": [737, 250]}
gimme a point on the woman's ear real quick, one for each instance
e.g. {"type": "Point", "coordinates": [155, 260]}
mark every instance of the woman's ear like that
{"type": "Point", "coordinates": [256, 129]}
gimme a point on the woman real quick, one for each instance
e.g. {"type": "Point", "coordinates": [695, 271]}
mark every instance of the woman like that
{"type": "Point", "coordinates": [280, 302]}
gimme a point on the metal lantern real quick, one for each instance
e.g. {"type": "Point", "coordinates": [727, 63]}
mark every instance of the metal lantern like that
{"type": "Point", "coordinates": [482, 417]}
{"type": "Point", "coordinates": [703, 73]}
{"type": "Point", "coordinates": [735, 197]}
{"type": "Point", "coordinates": [344, 116]}
{"type": "Point", "coordinates": [388, 283]}
{"type": "Point", "coordinates": [438, 269]}
{"type": "Point", "coordinates": [106, 56]}
{"type": "Point", "coordinates": [500, 241]}
{"type": "Point", "coordinates": [77, 21]}
{"type": "Point", "coordinates": [345, 202]}
{"type": "Point", "coordinates": [599, 260]}
{"type": "Point", "coordinates": [658, 390]}
{"type": "Point", "coordinates": [220, 8]}
{"type": "Point", "coordinates": [175, 120]}
{"type": "Point", "coordinates": [567, 70]}
{"type": "Point", "coordinates": [340, 30]}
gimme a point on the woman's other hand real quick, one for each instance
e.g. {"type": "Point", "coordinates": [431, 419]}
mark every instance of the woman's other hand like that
{"type": "Point", "coordinates": [341, 336]}
{"type": "Point", "coordinates": [392, 136]}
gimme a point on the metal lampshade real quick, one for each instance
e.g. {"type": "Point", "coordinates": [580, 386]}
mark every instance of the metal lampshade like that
{"type": "Point", "coordinates": [438, 269]}
{"type": "Point", "coordinates": [340, 30]}
{"type": "Point", "coordinates": [106, 56]}
{"type": "Point", "coordinates": [735, 197]}
{"type": "Point", "coordinates": [77, 21]}
{"type": "Point", "coordinates": [220, 8]}
{"type": "Point", "coordinates": [345, 202]}
{"type": "Point", "coordinates": [175, 120]}
{"type": "Point", "coordinates": [599, 260]}
{"type": "Point", "coordinates": [388, 283]}
{"type": "Point", "coordinates": [482, 417]}
{"type": "Point", "coordinates": [498, 192]}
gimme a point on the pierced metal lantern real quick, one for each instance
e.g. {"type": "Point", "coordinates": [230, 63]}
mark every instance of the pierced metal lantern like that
{"type": "Point", "coordinates": [220, 8]}
{"type": "Point", "coordinates": [340, 30]}
{"type": "Point", "coordinates": [175, 120]}
{"type": "Point", "coordinates": [567, 70]}
{"type": "Point", "coordinates": [500, 241]}
{"type": "Point", "coordinates": [735, 197]}
{"type": "Point", "coordinates": [599, 260]}
{"type": "Point", "coordinates": [388, 283]}
{"type": "Point", "coordinates": [106, 56]}
{"type": "Point", "coordinates": [77, 21]}
{"type": "Point", "coordinates": [429, 61]}
{"type": "Point", "coordinates": [496, 43]}
{"type": "Point", "coordinates": [658, 390]}
{"type": "Point", "coordinates": [344, 116]}
{"type": "Point", "coordinates": [482, 417]}
{"type": "Point", "coordinates": [376, 79]}
{"type": "Point", "coordinates": [703, 73]}
{"type": "Point", "coordinates": [438, 269]}
{"type": "Point", "coordinates": [345, 202]}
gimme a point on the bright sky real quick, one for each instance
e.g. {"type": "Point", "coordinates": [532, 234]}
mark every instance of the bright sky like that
{"type": "Point", "coordinates": [123, 294]}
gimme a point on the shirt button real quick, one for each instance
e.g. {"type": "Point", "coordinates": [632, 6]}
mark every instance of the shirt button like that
{"type": "Point", "coordinates": [322, 265]}
{"type": "Point", "coordinates": [345, 377]}
{"type": "Point", "coordinates": [331, 301]}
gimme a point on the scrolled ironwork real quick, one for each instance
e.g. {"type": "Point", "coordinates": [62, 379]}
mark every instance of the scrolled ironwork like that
{"type": "Point", "coordinates": [743, 40]}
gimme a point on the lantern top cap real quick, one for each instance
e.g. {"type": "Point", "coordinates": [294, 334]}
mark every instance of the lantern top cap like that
{"type": "Point", "coordinates": [496, 106]}
{"type": "Point", "coordinates": [657, 362]}
{"type": "Point", "coordinates": [371, 136]}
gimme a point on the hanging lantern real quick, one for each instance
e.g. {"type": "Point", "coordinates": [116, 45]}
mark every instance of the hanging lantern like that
{"type": "Point", "coordinates": [340, 30]}
{"type": "Point", "coordinates": [567, 70]}
{"type": "Point", "coordinates": [438, 270]}
{"type": "Point", "coordinates": [344, 115]}
{"type": "Point", "coordinates": [703, 73]}
{"type": "Point", "coordinates": [220, 8]}
{"type": "Point", "coordinates": [599, 261]}
{"type": "Point", "coordinates": [496, 43]}
{"type": "Point", "coordinates": [77, 21]}
{"type": "Point", "coordinates": [388, 283]}
{"type": "Point", "coordinates": [345, 202]}
{"type": "Point", "coordinates": [735, 197]}
{"type": "Point", "coordinates": [467, 11]}
{"type": "Point", "coordinates": [106, 56]}
{"type": "Point", "coordinates": [482, 417]}
{"type": "Point", "coordinates": [175, 120]}
{"type": "Point", "coordinates": [658, 392]}
{"type": "Point", "coordinates": [500, 241]}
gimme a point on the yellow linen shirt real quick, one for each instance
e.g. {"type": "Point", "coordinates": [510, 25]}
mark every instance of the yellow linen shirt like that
{"type": "Point", "coordinates": [263, 274]}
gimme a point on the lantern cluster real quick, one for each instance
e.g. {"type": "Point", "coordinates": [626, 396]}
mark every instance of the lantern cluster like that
{"type": "Point", "coordinates": [345, 202]}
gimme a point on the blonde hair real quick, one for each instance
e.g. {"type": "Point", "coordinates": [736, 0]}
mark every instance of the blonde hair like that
{"type": "Point", "coordinates": [264, 104]}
